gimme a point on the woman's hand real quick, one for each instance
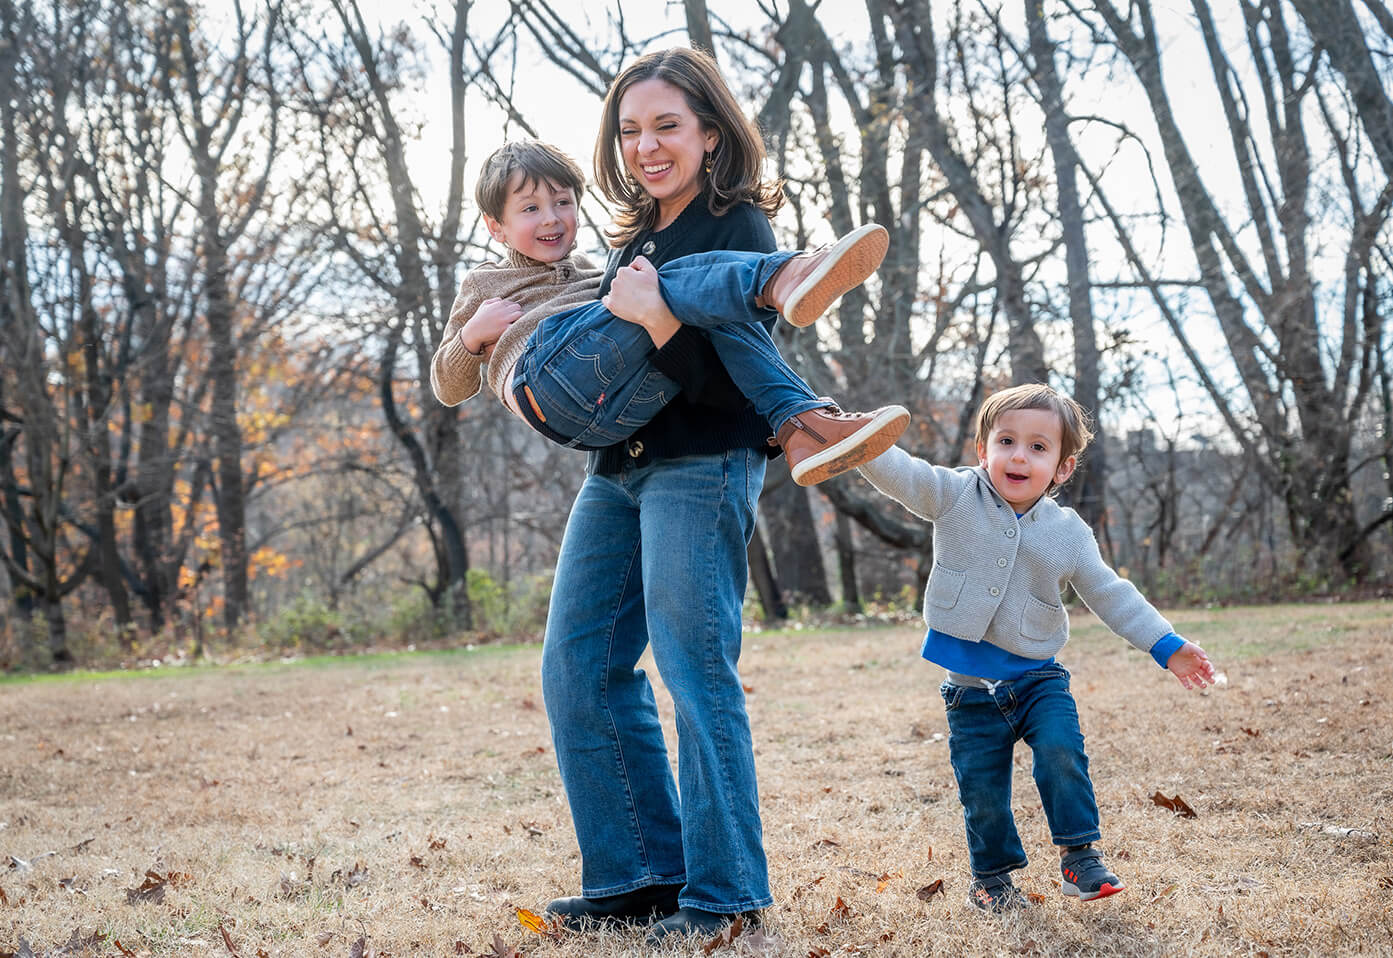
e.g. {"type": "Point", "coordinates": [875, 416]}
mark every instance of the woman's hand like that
{"type": "Point", "coordinates": [634, 297]}
{"type": "Point", "coordinates": [479, 334]}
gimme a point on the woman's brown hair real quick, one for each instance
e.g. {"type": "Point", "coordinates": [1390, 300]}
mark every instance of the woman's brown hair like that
{"type": "Point", "coordinates": [737, 162]}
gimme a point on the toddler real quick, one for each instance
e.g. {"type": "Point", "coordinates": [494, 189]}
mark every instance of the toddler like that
{"type": "Point", "coordinates": [1003, 551]}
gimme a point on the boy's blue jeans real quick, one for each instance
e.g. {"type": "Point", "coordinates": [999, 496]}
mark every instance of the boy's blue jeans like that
{"type": "Point", "coordinates": [591, 374]}
{"type": "Point", "coordinates": [654, 557]}
{"type": "Point", "coordinates": [983, 728]}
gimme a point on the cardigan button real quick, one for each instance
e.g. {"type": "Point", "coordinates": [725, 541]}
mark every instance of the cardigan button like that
{"type": "Point", "coordinates": [994, 590]}
{"type": "Point", "coordinates": [1010, 533]}
{"type": "Point", "coordinates": [635, 449]}
{"type": "Point", "coordinates": [648, 248]}
{"type": "Point", "coordinates": [1001, 563]}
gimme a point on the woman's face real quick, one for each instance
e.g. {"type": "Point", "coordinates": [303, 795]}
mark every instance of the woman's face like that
{"type": "Point", "coordinates": [663, 144]}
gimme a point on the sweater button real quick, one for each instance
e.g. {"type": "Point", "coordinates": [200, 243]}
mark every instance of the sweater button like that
{"type": "Point", "coordinates": [635, 449]}
{"type": "Point", "coordinates": [648, 248]}
{"type": "Point", "coordinates": [1001, 563]}
{"type": "Point", "coordinates": [994, 590]}
{"type": "Point", "coordinates": [1010, 533]}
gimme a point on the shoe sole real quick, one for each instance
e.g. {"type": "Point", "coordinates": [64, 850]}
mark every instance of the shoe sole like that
{"type": "Point", "coordinates": [1074, 891]}
{"type": "Point", "coordinates": [847, 265]}
{"type": "Point", "coordinates": [860, 447]}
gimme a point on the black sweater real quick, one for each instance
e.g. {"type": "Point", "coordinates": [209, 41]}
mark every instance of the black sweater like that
{"type": "Point", "coordinates": [710, 415]}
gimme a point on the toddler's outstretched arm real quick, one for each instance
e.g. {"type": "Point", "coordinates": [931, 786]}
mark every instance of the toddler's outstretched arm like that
{"type": "Point", "coordinates": [1191, 666]}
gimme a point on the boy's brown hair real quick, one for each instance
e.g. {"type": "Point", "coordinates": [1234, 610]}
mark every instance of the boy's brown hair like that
{"type": "Point", "coordinates": [737, 163]}
{"type": "Point", "coordinates": [537, 161]}
{"type": "Point", "coordinates": [1075, 431]}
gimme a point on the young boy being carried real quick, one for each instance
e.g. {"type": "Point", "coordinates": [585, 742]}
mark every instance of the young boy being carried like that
{"type": "Point", "coordinates": [572, 370]}
{"type": "Point", "coordinates": [1003, 550]}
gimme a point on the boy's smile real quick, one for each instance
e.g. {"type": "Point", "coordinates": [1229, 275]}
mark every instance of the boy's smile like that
{"type": "Point", "coordinates": [539, 220]}
{"type": "Point", "coordinates": [1021, 456]}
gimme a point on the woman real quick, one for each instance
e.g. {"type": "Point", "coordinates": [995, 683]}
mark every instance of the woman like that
{"type": "Point", "coordinates": [654, 551]}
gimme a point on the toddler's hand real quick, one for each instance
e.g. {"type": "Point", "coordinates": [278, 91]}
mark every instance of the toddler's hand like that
{"type": "Point", "coordinates": [493, 316]}
{"type": "Point", "coordinates": [1191, 666]}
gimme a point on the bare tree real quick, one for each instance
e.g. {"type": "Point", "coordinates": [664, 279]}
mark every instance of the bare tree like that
{"type": "Point", "coordinates": [1306, 388]}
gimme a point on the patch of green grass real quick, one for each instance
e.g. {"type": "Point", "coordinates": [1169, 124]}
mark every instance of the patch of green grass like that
{"type": "Point", "coordinates": [312, 662]}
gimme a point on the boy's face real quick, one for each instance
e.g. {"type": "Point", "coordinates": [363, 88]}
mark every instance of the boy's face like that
{"type": "Point", "coordinates": [1021, 455]}
{"type": "Point", "coordinates": [539, 219]}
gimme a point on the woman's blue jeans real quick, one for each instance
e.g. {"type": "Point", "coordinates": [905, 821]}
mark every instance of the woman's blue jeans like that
{"type": "Point", "coordinates": [655, 556]}
{"type": "Point", "coordinates": [592, 375]}
{"type": "Point", "coordinates": [983, 728]}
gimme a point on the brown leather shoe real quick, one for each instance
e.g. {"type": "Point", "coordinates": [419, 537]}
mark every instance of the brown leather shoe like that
{"type": "Point", "coordinates": [826, 442]}
{"type": "Point", "coordinates": [809, 283]}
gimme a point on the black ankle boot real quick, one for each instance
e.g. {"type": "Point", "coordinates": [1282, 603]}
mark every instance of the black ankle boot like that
{"type": "Point", "coordinates": [694, 921]}
{"type": "Point", "coordinates": [640, 906]}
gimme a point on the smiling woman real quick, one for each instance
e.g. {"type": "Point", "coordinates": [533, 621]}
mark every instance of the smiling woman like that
{"type": "Point", "coordinates": [654, 552]}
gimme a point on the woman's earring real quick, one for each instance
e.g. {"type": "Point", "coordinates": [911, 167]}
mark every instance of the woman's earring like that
{"type": "Point", "coordinates": [708, 161]}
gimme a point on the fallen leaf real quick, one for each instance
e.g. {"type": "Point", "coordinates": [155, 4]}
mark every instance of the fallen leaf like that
{"type": "Point", "coordinates": [1386, 881]}
{"type": "Point", "coordinates": [806, 885]}
{"type": "Point", "coordinates": [1175, 804]}
{"type": "Point", "coordinates": [227, 940]}
{"type": "Point", "coordinates": [151, 890]}
{"type": "Point", "coordinates": [462, 949]}
{"type": "Point", "coordinates": [500, 950]}
{"type": "Point", "coordinates": [934, 887]}
{"type": "Point", "coordinates": [818, 953]}
{"type": "Point", "coordinates": [126, 952]}
{"type": "Point", "coordinates": [728, 934]}
{"type": "Point", "coordinates": [1036, 897]}
{"type": "Point", "coordinates": [355, 876]}
{"type": "Point", "coordinates": [1252, 732]}
{"type": "Point", "coordinates": [358, 947]}
{"type": "Point", "coordinates": [1162, 894]}
{"type": "Point", "coordinates": [885, 879]}
{"type": "Point", "coordinates": [829, 842]}
{"type": "Point", "coordinates": [436, 844]}
{"type": "Point", "coordinates": [840, 909]}
{"type": "Point", "coordinates": [748, 688]}
{"type": "Point", "coordinates": [931, 854]}
{"type": "Point", "coordinates": [5, 899]}
{"type": "Point", "coordinates": [533, 922]}
{"type": "Point", "coordinates": [416, 861]}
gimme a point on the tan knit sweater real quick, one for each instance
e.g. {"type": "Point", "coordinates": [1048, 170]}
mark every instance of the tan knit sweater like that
{"type": "Point", "coordinates": [541, 289]}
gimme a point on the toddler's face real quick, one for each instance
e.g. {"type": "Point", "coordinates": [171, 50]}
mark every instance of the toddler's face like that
{"type": "Point", "coordinates": [539, 219]}
{"type": "Point", "coordinates": [1022, 455]}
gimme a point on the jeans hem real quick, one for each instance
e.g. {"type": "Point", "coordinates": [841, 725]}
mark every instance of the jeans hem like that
{"type": "Point", "coordinates": [1083, 838]}
{"type": "Point", "coordinates": [1004, 870]}
{"type": "Point", "coordinates": [726, 909]}
{"type": "Point", "coordinates": [612, 890]}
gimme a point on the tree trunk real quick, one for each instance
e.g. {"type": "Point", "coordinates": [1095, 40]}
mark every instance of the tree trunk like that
{"type": "Point", "coordinates": [771, 600]}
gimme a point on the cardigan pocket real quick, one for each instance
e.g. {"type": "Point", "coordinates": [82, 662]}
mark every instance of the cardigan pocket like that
{"type": "Point", "coordinates": [1040, 620]}
{"type": "Point", "coordinates": [945, 585]}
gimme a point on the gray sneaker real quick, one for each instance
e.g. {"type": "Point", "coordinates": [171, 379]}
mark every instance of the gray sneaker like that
{"type": "Point", "coordinates": [996, 895]}
{"type": "Point", "coordinates": [1086, 877]}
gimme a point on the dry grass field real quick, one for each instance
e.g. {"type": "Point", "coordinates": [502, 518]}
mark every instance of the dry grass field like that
{"type": "Point", "coordinates": [408, 805]}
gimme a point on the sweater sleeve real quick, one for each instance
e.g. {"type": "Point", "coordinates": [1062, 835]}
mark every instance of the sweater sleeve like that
{"type": "Point", "coordinates": [454, 371]}
{"type": "Point", "coordinates": [924, 489]}
{"type": "Point", "coordinates": [1114, 599]}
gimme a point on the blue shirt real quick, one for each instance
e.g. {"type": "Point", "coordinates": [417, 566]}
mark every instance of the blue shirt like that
{"type": "Point", "coordinates": [987, 661]}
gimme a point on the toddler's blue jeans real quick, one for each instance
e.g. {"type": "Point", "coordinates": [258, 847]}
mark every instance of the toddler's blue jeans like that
{"type": "Point", "coordinates": [591, 374]}
{"type": "Point", "coordinates": [984, 726]}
